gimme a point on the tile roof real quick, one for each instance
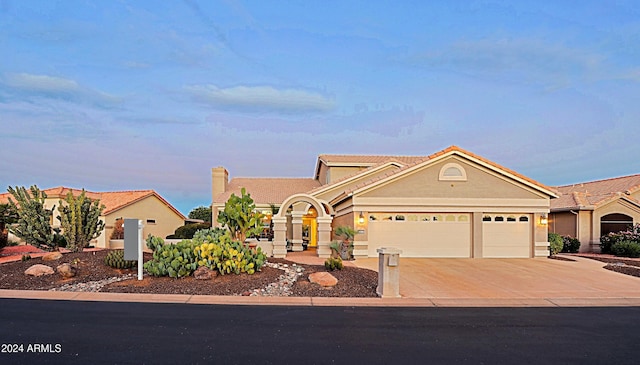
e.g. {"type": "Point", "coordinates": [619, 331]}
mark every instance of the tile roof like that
{"type": "Point", "coordinates": [358, 160]}
{"type": "Point", "coordinates": [361, 160]}
{"type": "Point", "coordinates": [112, 200]}
{"type": "Point", "coordinates": [589, 195]}
{"type": "Point", "coordinates": [267, 190]}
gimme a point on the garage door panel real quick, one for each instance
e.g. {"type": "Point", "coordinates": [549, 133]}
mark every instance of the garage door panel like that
{"type": "Point", "coordinates": [421, 239]}
{"type": "Point", "coordinates": [506, 239]}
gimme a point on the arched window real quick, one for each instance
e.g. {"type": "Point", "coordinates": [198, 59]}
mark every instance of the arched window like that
{"type": "Point", "coordinates": [499, 218]}
{"type": "Point", "coordinates": [452, 172]}
{"type": "Point", "coordinates": [511, 218]}
{"type": "Point", "coordinates": [463, 218]}
{"type": "Point", "coordinates": [523, 218]}
{"type": "Point", "coordinates": [486, 218]}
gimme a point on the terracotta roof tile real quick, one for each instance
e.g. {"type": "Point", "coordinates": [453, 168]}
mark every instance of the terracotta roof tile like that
{"type": "Point", "coordinates": [357, 160]}
{"type": "Point", "coordinates": [267, 190]}
{"type": "Point", "coordinates": [112, 200]}
{"type": "Point", "coordinates": [594, 193]}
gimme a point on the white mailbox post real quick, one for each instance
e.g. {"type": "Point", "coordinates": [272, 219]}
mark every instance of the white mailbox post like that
{"type": "Point", "coordinates": [133, 242]}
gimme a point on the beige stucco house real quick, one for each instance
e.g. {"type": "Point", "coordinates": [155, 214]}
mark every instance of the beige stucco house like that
{"type": "Point", "coordinates": [159, 217]}
{"type": "Point", "coordinates": [592, 209]}
{"type": "Point", "coordinates": [449, 204]}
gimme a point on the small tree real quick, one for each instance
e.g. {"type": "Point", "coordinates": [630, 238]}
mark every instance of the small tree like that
{"type": "Point", "coordinates": [34, 220]}
{"type": "Point", "coordinates": [8, 215]}
{"type": "Point", "coordinates": [80, 220]}
{"type": "Point", "coordinates": [201, 212]}
{"type": "Point", "coordinates": [240, 218]}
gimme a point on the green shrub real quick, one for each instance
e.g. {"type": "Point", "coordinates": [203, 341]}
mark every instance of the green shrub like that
{"type": "Point", "coordinates": [555, 243]}
{"type": "Point", "coordinates": [173, 260]}
{"type": "Point", "coordinates": [608, 240]}
{"type": "Point", "coordinates": [188, 230]}
{"type": "Point", "coordinates": [26, 257]}
{"type": "Point", "coordinates": [4, 239]}
{"type": "Point", "coordinates": [626, 249]}
{"type": "Point", "coordinates": [333, 263]}
{"type": "Point", "coordinates": [570, 244]}
{"type": "Point", "coordinates": [115, 259]}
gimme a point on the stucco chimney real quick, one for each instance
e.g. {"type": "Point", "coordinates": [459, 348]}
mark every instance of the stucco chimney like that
{"type": "Point", "coordinates": [219, 181]}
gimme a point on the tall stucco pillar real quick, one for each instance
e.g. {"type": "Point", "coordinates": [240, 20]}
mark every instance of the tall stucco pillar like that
{"type": "Point", "coordinates": [296, 220]}
{"type": "Point", "coordinates": [324, 236]}
{"type": "Point", "coordinates": [587, 242]}
{"type": "Point", "coordinates": [279, 237]}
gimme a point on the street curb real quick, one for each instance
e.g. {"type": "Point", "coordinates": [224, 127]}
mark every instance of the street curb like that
{"type": "Point", "coordinates": [322, 301]}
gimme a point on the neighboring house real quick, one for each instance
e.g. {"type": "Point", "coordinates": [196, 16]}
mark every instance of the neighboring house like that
{"type": "Point", "coordinates": [159, 217]}
{"type": "Point", "coordinates": [590, 210]}
{"type": "Point", "coordinates": [449, 204]}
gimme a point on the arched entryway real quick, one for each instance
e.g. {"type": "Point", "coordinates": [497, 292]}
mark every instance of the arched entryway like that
{"type": "Point", "coordinates": [302, 219]}
{"type": "Point", "coordinates": [615, 222]}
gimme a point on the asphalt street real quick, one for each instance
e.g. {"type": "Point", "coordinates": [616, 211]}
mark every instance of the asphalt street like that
{"type": "Point", "coordinates": [46, 331]}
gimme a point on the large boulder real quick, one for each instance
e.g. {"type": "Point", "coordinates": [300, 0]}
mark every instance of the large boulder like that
{"type": "Point", "coordinates": [204, 273]}
{"type": "Point", "coordinates": [52, 256]}
{"type": "Point", "coordinates": [39, 270]}
{"type": "Point", "coordinates": [66, 271]}
{"type": "Point", "coordinates": [323, 278]}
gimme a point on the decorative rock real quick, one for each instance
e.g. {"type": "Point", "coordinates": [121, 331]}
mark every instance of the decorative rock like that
{"type": "Point", "coordinates": [323, 278]}
{"type": "Point", "coordinates": [39, 270]}
{"type": "Point", "coordinates": [204, 273]}
{"type": "Point", "coordinates": [52, 256]}
{"type": "Point", "coordinates": [66, 271]}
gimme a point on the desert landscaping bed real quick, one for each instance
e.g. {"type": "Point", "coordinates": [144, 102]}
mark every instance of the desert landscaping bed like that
{"type": "Point", "coordinates": [91, 270]}
{"type": "Point", "coordinates": [618, 264]}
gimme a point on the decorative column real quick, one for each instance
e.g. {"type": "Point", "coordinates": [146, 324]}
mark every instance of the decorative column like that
{"type": "Point", "coordinates": [279, 237]}
{"type": "Point", "coordinates": [296, 219]}
{"type": "Point", "coordinates": [324, 236]}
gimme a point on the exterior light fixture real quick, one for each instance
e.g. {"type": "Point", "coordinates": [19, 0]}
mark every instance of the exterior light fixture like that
{"type": "Point", "coordinates": [543, 219]}
{"type": "Point", "coordinates": [361, 218]}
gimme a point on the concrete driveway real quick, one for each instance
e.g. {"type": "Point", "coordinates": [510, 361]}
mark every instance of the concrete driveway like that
{"type": "Point", "coordinates": [465, 281]}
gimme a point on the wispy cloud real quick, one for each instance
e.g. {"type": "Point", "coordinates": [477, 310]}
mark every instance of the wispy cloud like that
{"type": "Point", "coordinates": [260, 98]}
{"type": "Point", "coordinates": [531, 60]}
{"type": "Point", "coordinates": [25, 86]}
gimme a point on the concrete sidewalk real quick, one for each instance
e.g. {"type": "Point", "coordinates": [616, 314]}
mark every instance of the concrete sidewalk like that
{"type": "Point", "coordinates": [438, 283]}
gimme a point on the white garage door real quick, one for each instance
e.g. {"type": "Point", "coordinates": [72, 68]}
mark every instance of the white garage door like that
{"type": "Point", "coordinates": [421, 235]}
{"type": "Point", "coordinates": [506, 235]}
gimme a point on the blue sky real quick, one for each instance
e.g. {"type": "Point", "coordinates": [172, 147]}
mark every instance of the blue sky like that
{"type": "Point", "coordinates": [112, 95]}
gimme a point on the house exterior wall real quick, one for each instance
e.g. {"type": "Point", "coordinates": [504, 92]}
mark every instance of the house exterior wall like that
{"type": "Point", "coordinates": [323, 172]}
{"type": "Point", "coordinates": [329, 194]}
{"type": "Point", "coordinates": [616, 206]}
{"type": "Point", "coordinates": [166, 220]}
{"type": "Point", "coordinates": [480, 184]}
{"type": "Point", "coordinates": [563, 223]}
{"type": "Point", "coordinates": [338, 172]}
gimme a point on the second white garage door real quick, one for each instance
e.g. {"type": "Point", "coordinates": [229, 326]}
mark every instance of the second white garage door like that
{"type": "Point", "coordinates": [421, 235]}
{"type": "Point", "coordinates": [506, 235]}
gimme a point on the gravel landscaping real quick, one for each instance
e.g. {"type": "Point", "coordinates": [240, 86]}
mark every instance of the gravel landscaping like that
{"type": "Point", "coordinates": [279, 278]}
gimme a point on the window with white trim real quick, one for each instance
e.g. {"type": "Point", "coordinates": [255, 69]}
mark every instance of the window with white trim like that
{"type": "Point", "coordinates": [452, 172]}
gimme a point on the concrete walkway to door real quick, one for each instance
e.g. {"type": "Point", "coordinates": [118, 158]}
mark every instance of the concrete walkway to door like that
{"type": "Point", "coordinates": [535, 282]}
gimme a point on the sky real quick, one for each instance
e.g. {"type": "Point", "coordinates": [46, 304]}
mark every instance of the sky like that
{"type": "Point", "coordinates": [122, 95]}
